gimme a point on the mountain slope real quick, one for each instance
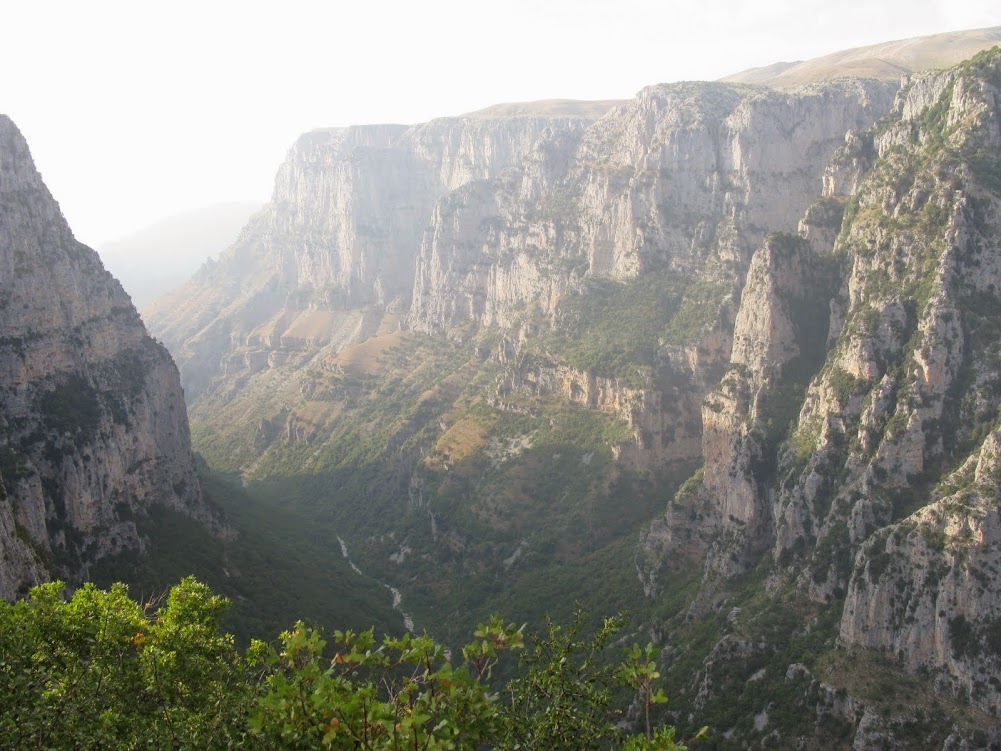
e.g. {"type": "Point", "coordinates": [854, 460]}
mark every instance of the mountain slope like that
{"type": "Point", "coordinates": [887, 61]}
{"type": "Point", "coordinates": [862, 478]}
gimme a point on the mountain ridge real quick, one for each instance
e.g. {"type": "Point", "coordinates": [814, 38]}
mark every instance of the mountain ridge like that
{"type": "Point", "coordinates": [886, 60]}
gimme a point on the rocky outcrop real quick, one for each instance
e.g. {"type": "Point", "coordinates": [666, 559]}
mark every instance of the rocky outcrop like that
{"type": "Point", "coordinates": [928, 588]}
{"type": "Point", "coordinates": [892, 343]}
{"type": "Point", "coordinates": [778, 345]}
{"type": "Point", "coordinates": [922, 273]}
{"type": "Point", "coordinates": [778, 340]}
{"type": "Point", "coordinates": [94, 427]}
{"type": "Point", "coordinates": [661, 432]}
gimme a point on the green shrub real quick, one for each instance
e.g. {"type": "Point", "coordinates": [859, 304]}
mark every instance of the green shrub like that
{"type": "Point", "coordinates": [100, 671]}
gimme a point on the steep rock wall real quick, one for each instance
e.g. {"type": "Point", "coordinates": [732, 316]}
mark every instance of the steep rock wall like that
{"type": "Point", "coordinates": [93, 417]}
{"type": "Point", "coordinates": [725, 516]}
{"type": "Point", "coordinates": [925, 587]}
{"type": "Point", "coordinates": [679, 175]}
{"type": "Point", "coordinates": [882, 491]}
{"type": "Point", "coordinates": [341, 233]}
{"type": "Point", "coordinates": [928, 588]}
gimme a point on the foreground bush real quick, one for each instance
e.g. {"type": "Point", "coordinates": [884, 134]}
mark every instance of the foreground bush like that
{"type": "Point", "coordinates": [100, 671]}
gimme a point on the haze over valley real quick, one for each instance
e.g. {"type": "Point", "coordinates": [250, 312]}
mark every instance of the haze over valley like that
{"type": "Point", "coordinates": [153, 261]}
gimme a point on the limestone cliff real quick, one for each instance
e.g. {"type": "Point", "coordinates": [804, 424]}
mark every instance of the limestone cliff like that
{"type": "Point", "coordinates": [928, 588]}
{"type": "Point", "coordinates": [341, 234]}
{"type": "Point", "coordinates": [94, 427]}
{"type": "Point", "coordinates": [681, 175]}
{"type": "Point", "coordinates": [943, 614]}
{"type": "Point", "coordinates": [903, 392]}
{"type": "Point", "coordinates": [874, 477]}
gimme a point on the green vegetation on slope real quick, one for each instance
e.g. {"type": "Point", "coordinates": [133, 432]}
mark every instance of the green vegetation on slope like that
{"type": "Point", "coordinates": [615, 328]}
{"type": "Point", "coordinates": [394, 447]}
{"type": "Point", "coordinates": [280, 566]}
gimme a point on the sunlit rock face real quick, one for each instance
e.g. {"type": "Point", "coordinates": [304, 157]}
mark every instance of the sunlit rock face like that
{"type": "Point", "coordinates": [94, 427]}
{"type": "Point", "coordinates": [679, 176]}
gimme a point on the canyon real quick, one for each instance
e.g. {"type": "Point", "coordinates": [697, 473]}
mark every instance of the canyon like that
{"type": "Point", "coordinates": [724, 355]}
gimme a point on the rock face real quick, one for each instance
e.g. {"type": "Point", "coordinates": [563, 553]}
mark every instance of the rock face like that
{"type": "Point", "coordinates": [94, 427]}
{"type": "Point", "coordinates": [341, 233]}
{"type": "Point", "coordinates": [680, 176]}
{"type": "Point", "coordinates": [867, 469]}
{"type": "Point", "coordinates": [944, 610]}
{"type": "Point", "coordinates": [928, 588]}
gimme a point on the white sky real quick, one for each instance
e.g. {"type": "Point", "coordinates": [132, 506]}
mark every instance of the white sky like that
{"type": "Point", "coordinates": [135, 110]}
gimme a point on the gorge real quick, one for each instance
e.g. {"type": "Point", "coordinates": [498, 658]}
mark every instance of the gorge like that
{"type": "Point", "coordinates": [724, 356]}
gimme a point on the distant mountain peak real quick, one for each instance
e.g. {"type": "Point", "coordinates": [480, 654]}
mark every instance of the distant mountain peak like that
{"type": "Point", "coordinates": [162, 256]}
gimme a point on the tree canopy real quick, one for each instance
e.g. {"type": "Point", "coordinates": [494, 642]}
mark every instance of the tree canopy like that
{"type": "Point", "coordinates": [98, 670]}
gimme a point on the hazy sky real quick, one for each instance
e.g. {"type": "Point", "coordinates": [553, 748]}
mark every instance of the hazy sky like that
{"type": "Point", "coordinates": [135, 110]}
